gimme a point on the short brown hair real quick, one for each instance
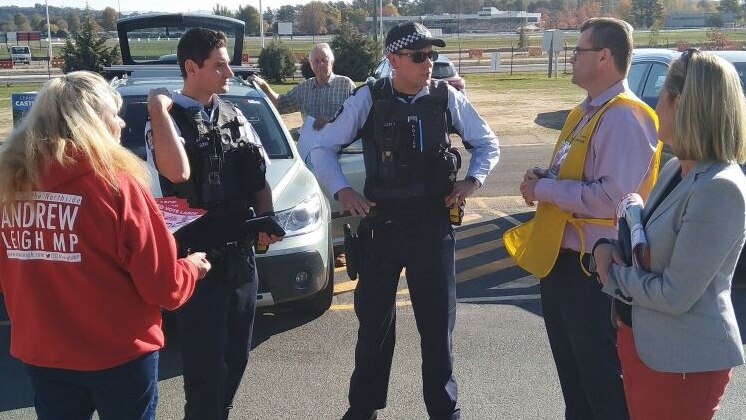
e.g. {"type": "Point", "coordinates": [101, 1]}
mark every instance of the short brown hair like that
{"type": "Point", "coordinates": [614, 34]}
{"type": "Point", "coordinates": [197, 45]}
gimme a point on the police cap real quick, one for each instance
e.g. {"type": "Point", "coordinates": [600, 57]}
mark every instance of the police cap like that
{"type": "Point", "coordinates": [412, 36]}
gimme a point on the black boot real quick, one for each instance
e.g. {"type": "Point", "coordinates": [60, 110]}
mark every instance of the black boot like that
{"type": "Point", "coordinates": [357, 414]}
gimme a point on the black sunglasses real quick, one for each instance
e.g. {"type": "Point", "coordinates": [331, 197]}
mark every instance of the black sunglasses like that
{"type": "Point", "coordinates": [419, 56]}
{"type": "Point", "coordinates": [686, 56]}
{"type": "Point", "coordinates": [577, 50]}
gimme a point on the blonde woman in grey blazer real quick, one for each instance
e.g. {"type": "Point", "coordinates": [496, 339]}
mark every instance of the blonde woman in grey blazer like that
{"type": "Point", "coordinates": [677, 334]}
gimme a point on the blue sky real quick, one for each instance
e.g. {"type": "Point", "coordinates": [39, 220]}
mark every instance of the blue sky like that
{"type": "Point", "coordinates": [156, 5]}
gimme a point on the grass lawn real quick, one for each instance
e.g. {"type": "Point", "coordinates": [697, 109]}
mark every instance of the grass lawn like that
{"type": "Point", "coordinates": [666, 38]}
{"type": "Point", "coordinates": [531, 82]}
{"type": "Point", "coordinates": [6, 91]}
{"type": "Point", "coordinates": [496, 83]}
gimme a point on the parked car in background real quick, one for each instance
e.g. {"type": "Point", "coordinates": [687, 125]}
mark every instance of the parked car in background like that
{"type": "Point", "coordinates": [299, 270]}
{"type": "Point", "coordinates": [647, 74]}
{"type": "Point", "coordinates": [20, 54]}
{"type": "Point", "coordinates": [650, 67]}
{"type": "Point", "coordinates": [443, 69]}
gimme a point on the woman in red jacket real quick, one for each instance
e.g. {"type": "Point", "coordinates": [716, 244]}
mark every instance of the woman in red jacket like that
{"type": "Point", "coordinates": [86, 260]}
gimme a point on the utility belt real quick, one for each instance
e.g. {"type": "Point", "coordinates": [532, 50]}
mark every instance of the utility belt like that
{"type": "Point", "coordinates": [411, 219]}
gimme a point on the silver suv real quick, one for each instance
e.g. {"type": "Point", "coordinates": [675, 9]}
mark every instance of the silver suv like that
{"type": "Point", "coordinates": [299, 270]}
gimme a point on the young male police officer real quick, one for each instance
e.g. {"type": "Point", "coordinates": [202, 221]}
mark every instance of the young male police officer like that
{"type": "Point", "coordinates": [410, 186]}
{"type": "Point", "coordinates": [207, 153]}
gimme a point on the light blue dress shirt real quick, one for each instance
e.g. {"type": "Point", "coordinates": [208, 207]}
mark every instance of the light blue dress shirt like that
{"type": "Point", "coordinates": [485, 150]}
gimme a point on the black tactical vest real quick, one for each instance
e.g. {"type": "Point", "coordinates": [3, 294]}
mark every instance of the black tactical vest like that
{"type": "Point", "coordinates": [226, 168]}
{"type": "Point", "coordinates": [406, 147]}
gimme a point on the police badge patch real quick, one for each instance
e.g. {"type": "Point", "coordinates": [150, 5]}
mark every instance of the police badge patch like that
{"type": "Point", "coordinates": [336, 114]}
{"type": "Point", "coordinates": [149, 137]}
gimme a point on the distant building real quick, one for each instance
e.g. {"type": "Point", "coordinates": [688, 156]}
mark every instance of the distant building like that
{"type": "Point", "coordinates": [698, 19]}
{"type": "Point", "coordinates": [487, 19]}
{"type": "Point", "coordinates": [488, 11]}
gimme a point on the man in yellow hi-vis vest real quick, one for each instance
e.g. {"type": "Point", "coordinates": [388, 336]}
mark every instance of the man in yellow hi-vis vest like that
{"type": "Point", "coordinates": [608, 147]}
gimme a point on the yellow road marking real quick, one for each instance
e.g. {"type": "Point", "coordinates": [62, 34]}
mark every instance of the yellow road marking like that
{"type": "Point", "coordinates": [350, 306]}
{"type": "Point", "coordinates": [344, 287]}
{"type": "Point", "coordinates": [403, 292]}
{"type": "Point", "coordinates": [507, 217]}
{"type": "Point", "coordinates": [487, 299]}
{"type": "Point", "coordinates": [479, 248]}
{"type": "Point", "coordinates": [467, 233]}
{"type": "Point", "coordinates": [468, 217]}
{"type": "Point", "coordinates": [484, 269]}
{"type": "Point", "coordinates": [521, 283]}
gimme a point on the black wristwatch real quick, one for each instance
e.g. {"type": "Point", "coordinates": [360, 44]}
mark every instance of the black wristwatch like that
{"type": "Point", "coordinates": [593, 267]}
{"type": "Point", "coordinates": [474, 180]}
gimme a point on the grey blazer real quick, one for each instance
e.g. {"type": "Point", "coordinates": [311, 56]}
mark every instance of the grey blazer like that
{"type": "Point", "coordinates": [682, 314]}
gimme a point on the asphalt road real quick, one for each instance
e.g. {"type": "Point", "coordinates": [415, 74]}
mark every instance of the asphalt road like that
{"type": "Point", "coordinates": [300, 366]}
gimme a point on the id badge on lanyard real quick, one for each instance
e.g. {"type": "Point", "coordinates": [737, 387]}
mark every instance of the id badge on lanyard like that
{"type": "Point", "coordinates": [559, 159]}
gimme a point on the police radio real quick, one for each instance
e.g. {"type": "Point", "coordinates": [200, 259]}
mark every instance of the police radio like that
{"type": "Point", "coordinates": [456, 214]}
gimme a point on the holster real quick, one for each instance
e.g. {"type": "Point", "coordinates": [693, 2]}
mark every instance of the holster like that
{"type": "Point", "coordinates": [352, 252]}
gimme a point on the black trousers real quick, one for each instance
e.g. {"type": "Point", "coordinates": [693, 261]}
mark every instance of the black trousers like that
{"type": "Point", "coordinates": [583, 342]}
{"type": "Point", "coordinates": [215, 327]}
{"type": "Point", "coordinates": [422, 242]}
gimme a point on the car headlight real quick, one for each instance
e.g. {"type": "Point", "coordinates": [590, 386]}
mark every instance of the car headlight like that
{"type": "Point", "coordinates": [303, 218]}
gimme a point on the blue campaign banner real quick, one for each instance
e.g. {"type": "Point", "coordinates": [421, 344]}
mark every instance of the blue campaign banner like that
{"type": "Point", "coordinates": [22, 101]}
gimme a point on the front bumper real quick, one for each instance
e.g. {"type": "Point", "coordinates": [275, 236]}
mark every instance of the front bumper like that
{"type": "Point", "coordinates": [288, 277]}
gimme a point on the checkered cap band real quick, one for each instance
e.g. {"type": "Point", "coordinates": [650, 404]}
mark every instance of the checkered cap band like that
{"type": "Point", "coordinates": [407, 40]}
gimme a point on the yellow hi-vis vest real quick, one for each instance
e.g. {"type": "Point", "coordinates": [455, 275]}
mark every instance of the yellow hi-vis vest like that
{"type": "Point", "coordinates": [535, 245]}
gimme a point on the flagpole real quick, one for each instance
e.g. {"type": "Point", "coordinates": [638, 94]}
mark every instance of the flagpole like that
{"type": "Point", "coordinates": [49, 42]}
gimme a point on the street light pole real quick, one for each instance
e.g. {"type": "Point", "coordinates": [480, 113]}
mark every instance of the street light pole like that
{"type": "Point", "coordinates": [261, 24]}
{"type": "Point", "coordinates": [49, 42]}
{"type": "Point", "coordinates": [380, 21]}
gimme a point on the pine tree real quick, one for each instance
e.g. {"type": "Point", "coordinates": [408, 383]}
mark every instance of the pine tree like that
{"type": "Point", "coordinates": [354, 54]}
{"type": "Point", "coordinates": [89, 51]}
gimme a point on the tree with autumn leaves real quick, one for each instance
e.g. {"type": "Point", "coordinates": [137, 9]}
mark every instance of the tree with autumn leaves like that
{"type": "Point", "coordinates": [312, 19]}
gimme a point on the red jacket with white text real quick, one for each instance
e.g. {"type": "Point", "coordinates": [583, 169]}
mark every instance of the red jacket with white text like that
{"type": "Point", "coordinates": [85, 271]}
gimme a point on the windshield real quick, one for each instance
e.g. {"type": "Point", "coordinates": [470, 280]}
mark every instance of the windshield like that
{"type": "Point", "coordinates": [19, 50]}
{"type": "Point", "coordinates": [443, 71]}
{"type": "Point", "coordinates": [151, 44]}
{"type": "Point", "coordinates": [134, 112]}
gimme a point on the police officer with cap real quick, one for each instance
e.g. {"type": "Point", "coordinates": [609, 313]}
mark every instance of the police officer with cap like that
{"type": "Point", "coordinates": [410, 190]}
{"type": "Point", "coordinates": [208, 153]}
